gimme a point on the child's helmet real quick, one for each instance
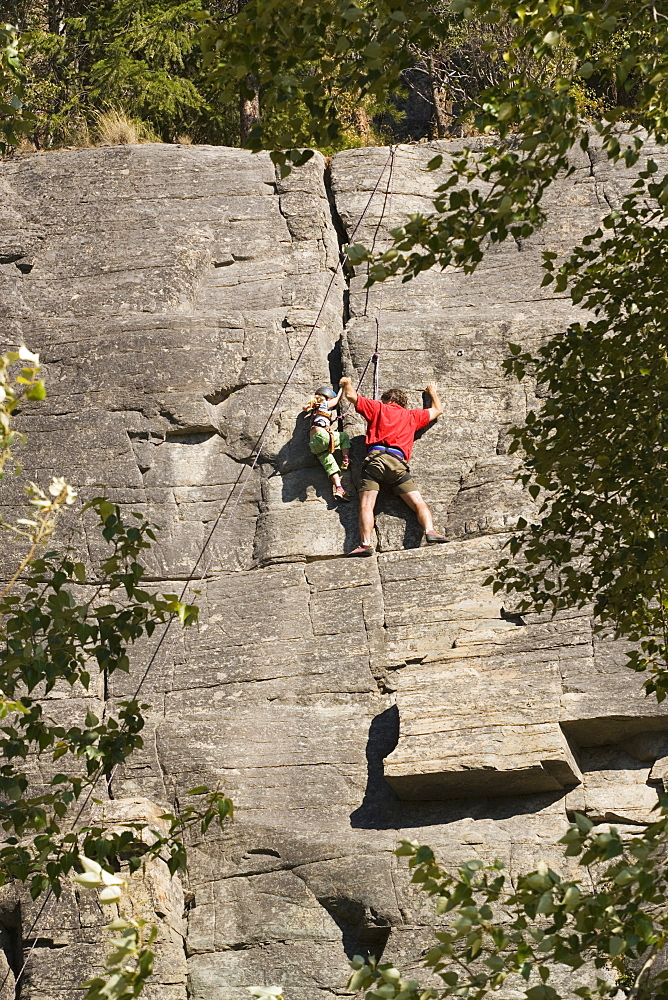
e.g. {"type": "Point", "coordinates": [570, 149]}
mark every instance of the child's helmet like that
{"type": "Point", "coordinates": [326, 391]}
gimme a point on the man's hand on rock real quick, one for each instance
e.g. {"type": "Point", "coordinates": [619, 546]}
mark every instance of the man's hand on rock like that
{"type": "Point", "coordinates": [436, 408]}
{"type": "Point", "coordinates": [347, 385]}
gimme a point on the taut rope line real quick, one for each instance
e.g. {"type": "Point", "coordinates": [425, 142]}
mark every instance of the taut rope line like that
{"type": "Point", "coordinates": [387, 203]}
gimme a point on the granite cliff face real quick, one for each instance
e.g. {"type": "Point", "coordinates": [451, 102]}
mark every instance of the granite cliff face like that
{"type": "Point", "coordinates": [342, 704]}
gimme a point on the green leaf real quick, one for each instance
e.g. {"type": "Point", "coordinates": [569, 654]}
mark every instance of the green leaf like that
{"type": "Point", "coordinates": [37, 391]}
{"type": "Point", "coordinates": [616, 946]}
{"type": "Point", "coordinates": [583, 822]}
{"type": "Point", "coordinates": [356, 253]}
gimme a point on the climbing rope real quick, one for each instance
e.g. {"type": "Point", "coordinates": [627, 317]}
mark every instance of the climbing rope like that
{"type": "Point", "coordinates": [374, 358]}
{"type": "Point", "coordinates": [256, 451]}
{"type": "Point", "coordinates": [387, 205]}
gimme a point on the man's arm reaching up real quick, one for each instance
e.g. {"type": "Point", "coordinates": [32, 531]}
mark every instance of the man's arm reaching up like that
{"type": "Point", "coordinates": [436, 408]}
{"type": "Point", "coordinates": [347, 385]}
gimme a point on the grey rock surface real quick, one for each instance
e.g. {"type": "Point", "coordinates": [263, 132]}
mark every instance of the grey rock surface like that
{"type": "Point", "coordinates": [342, 704]}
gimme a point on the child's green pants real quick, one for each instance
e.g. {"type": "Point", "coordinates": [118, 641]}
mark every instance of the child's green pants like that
{"type": "Point", "coordinates": [319, 445]}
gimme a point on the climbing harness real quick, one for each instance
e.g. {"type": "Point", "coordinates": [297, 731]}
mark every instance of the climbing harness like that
{"type": "Point", "coordinates": [324, 418]}
{"type": "Point", "coordinates": [50, 897]}
{"type": "Point", "coordinates": [387, 449]}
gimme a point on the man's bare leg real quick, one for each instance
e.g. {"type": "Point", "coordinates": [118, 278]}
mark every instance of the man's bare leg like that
{"type": "Point", "coordinates": [366, 519]}
{"type": "Point", "coordinates": [416, 503]}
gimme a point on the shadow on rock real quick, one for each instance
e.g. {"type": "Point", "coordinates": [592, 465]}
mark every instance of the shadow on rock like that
{"type": "Point", "coordinates": [380, 802]}
{"type": "Point", "coordinates": [303, 480]}
{"type": "Point", "coordinates": [382, 809]}
{"type": "Point", "coordinates": [295, 454]}
{"type": "Point", "coordinates": [363, 931]}
{"type": "Point", "coordinates": [396, 524]}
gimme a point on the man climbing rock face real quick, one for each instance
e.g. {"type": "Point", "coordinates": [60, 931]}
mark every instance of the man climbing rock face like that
{"type": "Point", "coordinates": [390, 431]}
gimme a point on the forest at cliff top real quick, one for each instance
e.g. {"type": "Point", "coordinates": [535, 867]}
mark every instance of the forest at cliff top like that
{"type": "Point", "coordinates": [154, 70]}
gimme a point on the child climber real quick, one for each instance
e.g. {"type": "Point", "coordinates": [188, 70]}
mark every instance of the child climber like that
{"type": "Point", "coordinates": [324, 440]}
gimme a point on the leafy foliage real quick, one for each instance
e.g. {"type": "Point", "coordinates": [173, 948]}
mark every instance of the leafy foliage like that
{"type": "Point", "coordinates": [128, 965]}
{"type": "Point", "coordinates": [13, 388]}
{"type": "Point", "coordinates": [139, 58]}
{"type": "Point", "coordinates": [595, 453]}
{"type": "Point", "coordinates": [533, 122]}
{"type": "Point", "coordinates": [496, 929]}
{"type": "Point", "coordinates": [59, 627]}
{"type": "Point", "coordinates": [144, 60]}
{"type": "Point", "coordinates": [61, 622]}
{"type": "Point", "coordinates": [137, 54]}
{"type": "Point", "coordinates": [318, 65]}
{"type": "Point", "coordinates": [15, 121]}
{"type": "Point", "coordinates": [308, 54]}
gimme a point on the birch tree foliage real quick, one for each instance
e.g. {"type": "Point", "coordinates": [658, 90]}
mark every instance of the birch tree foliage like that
{"type": "Point", "coordinates": [64, 623]}
{"type": "Point", "coordinates": [299, 51]}
{"type": "Point", "coordinates": [532, 125]}
{"type": "Point", "coordinates": [307, 54]}
{"type": "Point", "coordinates": [595, 453]}
{"type": "Point", "coordinates": [492, 929]}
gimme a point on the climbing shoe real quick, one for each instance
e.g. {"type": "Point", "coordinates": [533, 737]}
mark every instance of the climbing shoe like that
{"type": "Point", "coordinates": [339, 493]}
{"type": "Point", "coordinates": [362, 550]}
{"type": "Point", "coordinates": [434, 536]}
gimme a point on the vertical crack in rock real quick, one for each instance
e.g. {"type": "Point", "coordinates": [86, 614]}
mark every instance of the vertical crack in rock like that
{"type": "Point", "coordinates": [11, 950]}
{"type": "Point", "coordinates": [601, 193]}
{"type": "Point", "coordinates": [335, 361]}
{"type": "Point", "coordinates": [339, 358]}
{"type": "Point", "coordinates": [336, 219]}
{"type": "Point", "coordinates": [341, 235]}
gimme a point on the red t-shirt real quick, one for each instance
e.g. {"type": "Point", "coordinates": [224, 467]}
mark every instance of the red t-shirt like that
{"type": "Point", "coordinates": [390, 424]}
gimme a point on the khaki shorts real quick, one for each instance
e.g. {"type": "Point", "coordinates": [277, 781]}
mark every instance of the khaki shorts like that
{"type": "Point", "coordinates": [388, 470]}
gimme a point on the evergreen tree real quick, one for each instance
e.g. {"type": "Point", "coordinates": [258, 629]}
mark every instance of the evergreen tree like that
{"type": "Point", "coordinates": [139, 57]}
